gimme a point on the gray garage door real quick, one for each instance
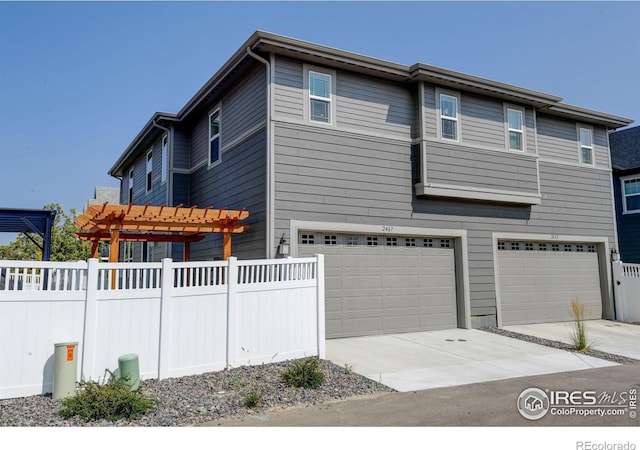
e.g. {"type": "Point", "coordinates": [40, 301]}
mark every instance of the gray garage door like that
{"type": "Point", "coordinates": [538, 280]}
{"type": "Point", "coordinates": [385, 284]}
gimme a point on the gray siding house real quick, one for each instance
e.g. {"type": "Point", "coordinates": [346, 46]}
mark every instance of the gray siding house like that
{"type": "Point", "coordinates": [440, 199]}
{"type": "Point", "coordinates": [625, 160]}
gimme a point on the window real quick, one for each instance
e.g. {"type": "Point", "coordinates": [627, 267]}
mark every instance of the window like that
{"type": "Point", "coordinates": [372, 240]}
{"type": "Point", "coordinates": [147, 251]}
{"type": "Point", "coordinates": [555, 247]}
{"type": "Point", "coordinates": [542, 247]}
{"type": "Point", "coordinates": [515, 129]}
{"type": "Point", "coordinates": [308, 239]}
{"type": "Point", "coordinates": [149, 170]}
{"type": "Point", "coordinates": [586, 146]}
{"type": "Point", "coordinates": [445, 243]}
{"type": "Point", "coordinates": [214, 137]}
{"type": "Point", "coordinates": [319, 97]}
{"type": "Point", "coordinates": [449, 117]}
{"type": "Point", "coordinates": [515, 246]}
{"type": "Point", "coordinates": [410, 242]}
{"type": "Point", "coordinates": [528, 246]}
{"type": "Point", "coordinates": [165, 155]}
{"type": "Point", "coordinates": [631, 194]}
{"type": "Point", "coordinates": [131, 186]}
{"type": "Point", "coordinates": [392, 241]}
{"type": "Point", "coordinates": [427, 242]}
{"type": "Point", "coordinates": [331, 240]}
{"type": "Point", "coordinates": [351, 240]}
{"type": "Point", "coordinates": [501, 246]}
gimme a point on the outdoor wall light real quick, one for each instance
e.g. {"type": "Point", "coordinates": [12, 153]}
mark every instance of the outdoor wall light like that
{"type": "Point", "coordinates": [283, 247]}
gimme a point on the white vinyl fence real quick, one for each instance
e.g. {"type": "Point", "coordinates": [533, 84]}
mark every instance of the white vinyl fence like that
{"type": "Point", "coordinates": [179, 318]}
{"type": "Point", "coordinates": [626, 289]}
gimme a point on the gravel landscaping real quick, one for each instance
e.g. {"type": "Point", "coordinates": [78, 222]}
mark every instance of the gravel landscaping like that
{"type": "Point", "coordinates": [196, 399]}
{"type": "Point", "coordinates": [562, 346]}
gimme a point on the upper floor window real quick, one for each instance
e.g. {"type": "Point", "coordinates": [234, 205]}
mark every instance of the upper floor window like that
{"type": "Point", "coordinates": [214, 137]}
{"type": "Point", "coordinates": [165, 153]}
{"type": "Point", "coordinates": [586, 146]}
{"type": "Point", "coordinates": [515, 128]}
{"type": "Point", "coordinates": [631, 194]}
{"type": "Point", "coordinates": [449, 128]}
{"type": "Point", "coordinates": [319, 97]}
{"type": "Point", "coordinates": [131, 186]}
{"type": "Point", "coordinates": [149, 169]}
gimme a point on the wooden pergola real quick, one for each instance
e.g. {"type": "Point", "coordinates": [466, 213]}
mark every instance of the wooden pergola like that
{"type": "Point", "coordinates": [146, 223]}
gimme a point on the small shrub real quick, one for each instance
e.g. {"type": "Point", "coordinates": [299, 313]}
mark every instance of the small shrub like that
{"type": "Point", "coordinates": [348, 368]}
{"type": "Point", "coordinates": [113, 400]}
{"type": "Point", "coordinates": [252, 399]}
{"type": "Point", "coordinates": [303, 374]}
{"type": "Point", "coordinates": [579, 334]}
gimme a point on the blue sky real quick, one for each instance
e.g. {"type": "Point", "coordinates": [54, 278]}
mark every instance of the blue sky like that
{"type": "Point", "coordinates": [78, 80]}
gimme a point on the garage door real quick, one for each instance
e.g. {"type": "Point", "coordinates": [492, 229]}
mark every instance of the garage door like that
{"type": "Point", "coordinates": [385, 284]}
{"type": "Point", "coordinates": [538, 281]}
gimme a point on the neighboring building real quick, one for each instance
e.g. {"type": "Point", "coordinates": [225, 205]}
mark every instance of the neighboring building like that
{"type": "Point", "coordinates": [104, 194]}
{"type": "Point", "coordinates": [440, 199]}
{"type": "Point", "coordinates": [625, 160]}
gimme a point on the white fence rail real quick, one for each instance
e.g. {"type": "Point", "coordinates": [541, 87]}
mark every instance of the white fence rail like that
{"type": "Point", "coordinates": [179, 318]}
{"type": "Point", "coordinates": [626, 285]}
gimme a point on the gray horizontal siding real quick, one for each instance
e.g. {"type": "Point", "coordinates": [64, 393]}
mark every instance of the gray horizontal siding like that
{"type": "Point", "coordinates": [482, 121]}
{"type": "Point", "coordinates": [557, 139]}
{"type": "Point", "coordinates": [288, 86]}
{"type": "Point", "coordinates": [362, 103]}
{"type": "Point", "coordinates": [601, 147]}
{"type": "Point", "coordinates": [238, 182]}
{"type": "Point", "coordinates": [485, 169]}
{"type": "Point", "coordinates": [335, 177]}
{"type": "Point", "coordinates": [365, 104]}
{"type": "Point", "coordinates": [181, 149]}
{"type": "Point", "coordinates": [245, 107]}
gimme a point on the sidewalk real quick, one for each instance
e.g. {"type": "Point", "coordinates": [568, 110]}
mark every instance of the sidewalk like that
{"type": "Point", "coordinates": [482, 404]}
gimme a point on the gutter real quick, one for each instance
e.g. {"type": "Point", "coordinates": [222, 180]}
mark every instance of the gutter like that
{"type": "Point", "coordinates": [270, 182]}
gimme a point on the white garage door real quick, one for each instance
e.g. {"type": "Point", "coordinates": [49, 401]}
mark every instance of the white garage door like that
{"type": "Point", "coordinates": [385, 284]}
{"type": "Point", "coordinates": [538, 281]}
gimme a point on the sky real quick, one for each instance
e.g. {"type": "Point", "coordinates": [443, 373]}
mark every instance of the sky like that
{"type": "Point", "coordinates": [78, 80]}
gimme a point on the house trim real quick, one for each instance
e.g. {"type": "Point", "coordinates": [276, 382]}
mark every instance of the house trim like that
{"type": "Point", "coordinates": [623, 197]}
{"type": "Point", "coordinates": [475, 193]}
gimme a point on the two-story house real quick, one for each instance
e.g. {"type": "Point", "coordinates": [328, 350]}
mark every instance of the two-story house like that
{"type": "Point", "coordinates": [625, 161]}
{"type": "Point", "coordinates": [440, 199]}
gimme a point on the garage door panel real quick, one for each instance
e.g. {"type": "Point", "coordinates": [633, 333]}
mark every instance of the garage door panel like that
{"type": "Point", "coordinates": [538, 286]}
{"type": "Point", "coordinates": [386, 289]}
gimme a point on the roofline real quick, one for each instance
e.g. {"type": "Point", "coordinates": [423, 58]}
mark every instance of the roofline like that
{"type": "Point", "coordinates": [266, 41]}
{"type": "Point", "coordinates": [149, 126]}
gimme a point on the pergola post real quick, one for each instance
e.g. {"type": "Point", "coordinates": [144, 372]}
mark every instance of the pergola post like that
{"type": "Point", "coordinates": [94, 248]}
{"type": "Point", "coordinates": [226, 245]}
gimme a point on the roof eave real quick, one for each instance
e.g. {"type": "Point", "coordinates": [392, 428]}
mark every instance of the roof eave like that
{"type": "Point", "coordinates": [591, 116]}
{"type": "Point", "coordinates": [118, 167]}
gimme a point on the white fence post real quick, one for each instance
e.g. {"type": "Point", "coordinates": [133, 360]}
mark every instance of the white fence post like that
{"type": "Point", "coordinates": [320, 305]}
{"type": "Point", "coordinates": [90, 320]}
{"type": "Point", "coordinates": [166, 289]}
{"type": "Point", "coordinates": [232, 290]}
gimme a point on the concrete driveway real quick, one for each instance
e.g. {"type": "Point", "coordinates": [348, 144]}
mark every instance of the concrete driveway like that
{"type": "Point", "coordinates": [612, 337]}
{"type": "Point", "coordinates": [432, 359]}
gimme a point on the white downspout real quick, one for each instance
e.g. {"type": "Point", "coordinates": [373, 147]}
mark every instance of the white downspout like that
{"type": "Point", "coordinates": [270, 207]}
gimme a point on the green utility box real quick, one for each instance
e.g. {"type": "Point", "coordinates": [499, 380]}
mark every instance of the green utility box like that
{"type": "Point", "coordinates": [65, 369]}
{"type": "Point", "coordinates": [130, 369]}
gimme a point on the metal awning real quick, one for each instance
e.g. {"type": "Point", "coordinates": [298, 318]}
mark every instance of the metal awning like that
{"type": "Point", "coordinates": [30, 221]}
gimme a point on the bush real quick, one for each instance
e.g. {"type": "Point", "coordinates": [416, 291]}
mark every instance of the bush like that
{"type": "Point", "coordinates": [252, 399]}
{"type": "Point", "coordinates": [579, 335]}
{"type": "Point", "coordinates": [303, 374]}
{"type": "Point", "coordinates": [113, 400]}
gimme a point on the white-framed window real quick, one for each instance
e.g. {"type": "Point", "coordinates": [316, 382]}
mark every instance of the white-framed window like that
{"type": "Point", "coordinates": [351, 241]}
{"type": "Point", "coordinates": [515, 128]}
{"type": "Point", "coordinates": [319, 88]}
{"type": "Point", "coordinates": [449, 114]}
{"type": "Point", "coordinates": [149, 169]}
{"type": "Point", "coordinates": [214, 137]}
{"type": "Point", "coordinates": [631, 194]}
{"type": "Point", "coordinates": [585, 137]}
{"type": "Point", "coordinates": [165, 155]}
{"type": "Point", "coordinates": [131, 186]}
{"type": "Point", "coordinates": [147, 251]}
